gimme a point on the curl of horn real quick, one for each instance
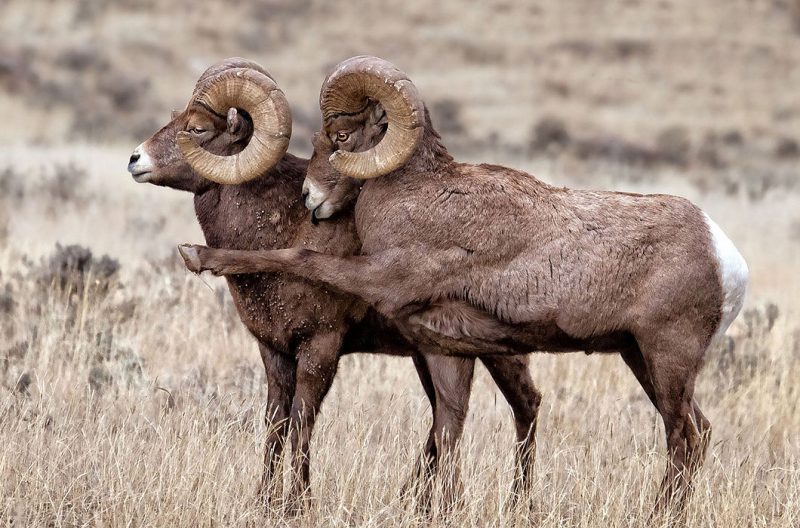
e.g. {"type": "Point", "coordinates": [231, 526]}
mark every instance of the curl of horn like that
{"type": "Point", "coordinates": [257, 94]}
{"type": "Point", "coordinates": [228, 64]}
{"type": "Point", "coordinates": [348, 89]}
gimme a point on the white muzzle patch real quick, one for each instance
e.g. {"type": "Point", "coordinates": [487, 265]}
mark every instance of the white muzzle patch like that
{"type": "Point", "coordinates": [140, 165]}
{"type": "Point", "coordinates": [314, 195]}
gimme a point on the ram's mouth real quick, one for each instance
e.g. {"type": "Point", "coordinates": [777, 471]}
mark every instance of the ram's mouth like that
{"type": "Point", "coordinates": [141, 177]}
{"type": "Point", "coordinates": [314, 217]}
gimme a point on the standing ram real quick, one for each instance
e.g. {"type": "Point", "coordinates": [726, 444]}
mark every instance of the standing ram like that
{"type": "Point", "coordinates": [247, 196]}
{"type": "Point", "coordinates": [475, 259]}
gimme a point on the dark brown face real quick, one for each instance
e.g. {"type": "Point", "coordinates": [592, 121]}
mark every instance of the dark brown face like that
{"type": "Point", "coordinates": [325, 190]}
{"type": "Point", "coordinates": [159, 161]}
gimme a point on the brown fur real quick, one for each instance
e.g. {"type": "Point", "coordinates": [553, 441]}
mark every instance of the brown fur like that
{"type": "Point", "coordinates": [303, 328]}
{"type": "Point", "coordinates": [476, 259]}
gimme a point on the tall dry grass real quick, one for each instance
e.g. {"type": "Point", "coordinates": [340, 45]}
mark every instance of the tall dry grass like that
{"type": "Point", "coordinates": [135, 397]}
{"type": "Point", "coordinates": [142, 406]}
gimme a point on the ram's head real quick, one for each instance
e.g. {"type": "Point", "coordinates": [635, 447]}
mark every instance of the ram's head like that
{"type": "Point", "coordinates": [373, 122]}
{"type": "Point", "coordinates": [235, 128]}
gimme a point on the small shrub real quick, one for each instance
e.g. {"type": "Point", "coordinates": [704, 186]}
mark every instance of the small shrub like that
{"type": "Point", "coordinates": [71, 268]}
{"type": "Point", "coordinates": [787, 148]}
{"type": "Point", "coordinates": [708, 153]}
{"type": "Point", "coordinates": [81, 59]}
{"type": "Point", "coordinates": [627, 48]}
{"type": "Point", "coordinates": [65, 185]}
{"type": "Point", "coordinates": [16, 73]}
{"type": "Point", "coordinates": [7, 301]}
{"type": "Point", "coordinates": [673, 145]}
{"type": "Point", "coordinates": [616, 149]}
{"type": "Point", "coordinates": [446, 114]}
{"type": "Point", "coordinates": [113, 364]}
{"type": "Point", "coordinates": [12, 186]}
{"type": "Point", "coordinates": [126, 93]}
{"type": "Point", "coordinates": [746, 351]}
{"type": "Point", "coordinates": [549, 132]}
{"type": "Point", "coordinates": [732, 138]}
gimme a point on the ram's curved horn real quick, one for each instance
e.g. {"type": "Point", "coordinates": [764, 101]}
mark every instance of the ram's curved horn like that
{"type": "Point", "coordinates": [348, 89]}
{"type": "Point", "coordinates": [228, 64]}
{"type": "Point", "coordinates": [257, 94]}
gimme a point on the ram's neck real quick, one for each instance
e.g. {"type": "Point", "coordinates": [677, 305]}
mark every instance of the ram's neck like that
{"type": "Point", "coordinates": [261, 214]}
{"type": "Point", "coordinates": [431, 154]}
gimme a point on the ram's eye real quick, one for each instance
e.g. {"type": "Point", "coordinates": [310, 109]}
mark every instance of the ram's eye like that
{"type": "Point", "coordinates": [342, 136]}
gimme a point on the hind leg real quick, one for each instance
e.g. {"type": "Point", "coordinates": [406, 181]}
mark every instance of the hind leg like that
{"type": "Point", "coordinates": [704, 428]}
{"type": "Point", "coordinates": [633, 358]}
{"type": "Point", "coordinates": [671, 359]}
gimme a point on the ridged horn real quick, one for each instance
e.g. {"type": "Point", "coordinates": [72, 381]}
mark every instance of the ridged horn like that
{"type": "Point", "coordinates": [228, 64]}
{"type": "Point", "coordinates": [257, 94]}
{"type": "Point", "coordinates": [348, 89]}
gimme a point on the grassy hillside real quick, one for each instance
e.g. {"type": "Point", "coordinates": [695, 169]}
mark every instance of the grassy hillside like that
{"type": "Point", "coordinates": [130, 394]}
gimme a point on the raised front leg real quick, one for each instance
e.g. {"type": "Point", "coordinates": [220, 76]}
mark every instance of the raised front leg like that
{"type": "Point", "coordinates": [280, 371]}
{"type": "Point", "coordinates": [389, 280]}
{"type": "Point", "coordinates": [317, 360]}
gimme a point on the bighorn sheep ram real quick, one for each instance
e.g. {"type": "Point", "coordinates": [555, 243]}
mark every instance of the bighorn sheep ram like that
{"type": "Point", "coordinates": [477, 259]}
{"type": "Point", "coordinates": [228, 148]}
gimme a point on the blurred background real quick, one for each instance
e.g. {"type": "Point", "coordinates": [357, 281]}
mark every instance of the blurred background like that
{"type": "Point", "coordinates": [699, 99]}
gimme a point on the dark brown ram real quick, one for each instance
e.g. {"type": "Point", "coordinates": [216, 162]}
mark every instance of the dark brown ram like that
{"type": "Point", "coordinates": [228, 148]}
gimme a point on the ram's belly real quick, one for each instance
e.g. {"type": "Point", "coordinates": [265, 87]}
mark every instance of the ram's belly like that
{"type": "Point", "coordinates": [546, 294]}
{"type": "Point", "coordinates": [459, 328]}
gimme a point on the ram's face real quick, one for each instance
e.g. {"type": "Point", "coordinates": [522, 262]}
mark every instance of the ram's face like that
{"type": "Point", "coordinates": [325, 190]}
{"type": "Point", "coordinates": [159, 161]}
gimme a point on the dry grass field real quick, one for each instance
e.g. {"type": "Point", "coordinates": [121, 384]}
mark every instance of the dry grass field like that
{"type": "Point", "coordinates": [130, 394]}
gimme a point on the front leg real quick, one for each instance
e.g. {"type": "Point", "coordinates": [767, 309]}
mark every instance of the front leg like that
{"type": "Point", "coordinates": [317, 361]}
{"type": "Point", "coordinates": [389, 281]}
{"type": "Point", "coordinates": [425, 467]}
{"type": "Point", "coordinates": [452, 382]}
{"type": "Point", "coordinates": [513, 378]}
{"type": "Point", "coordinates": [280, 370]}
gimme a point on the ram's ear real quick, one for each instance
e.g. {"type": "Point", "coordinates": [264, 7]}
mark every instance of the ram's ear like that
{"type": "Point", "coordinates": [236, 123]}
{"type": "Point", "coordinates": [378, 116]}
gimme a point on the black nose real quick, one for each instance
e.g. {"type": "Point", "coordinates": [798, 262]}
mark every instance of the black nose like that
{"type": "Point", "coordinates": [305, 195]}
{"type": "Point", "coordinates": [134, 158]}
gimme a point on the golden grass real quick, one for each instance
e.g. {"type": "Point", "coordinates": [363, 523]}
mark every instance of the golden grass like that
{"type": "Point", "coordinates": [154, 419]}
{"type": "Point", "coordinates": [145, 404]}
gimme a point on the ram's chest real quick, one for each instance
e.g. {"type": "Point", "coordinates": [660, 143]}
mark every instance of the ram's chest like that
{"type": "Point", "coordinates": [277, 309]}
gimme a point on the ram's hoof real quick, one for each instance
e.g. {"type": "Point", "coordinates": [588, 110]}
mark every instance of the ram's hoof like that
{"type": "Point", "coordinates": [191, 258]}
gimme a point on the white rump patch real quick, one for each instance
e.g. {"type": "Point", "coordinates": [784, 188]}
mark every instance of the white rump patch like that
{"type": "Point", "coordinates": [733, 273]}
